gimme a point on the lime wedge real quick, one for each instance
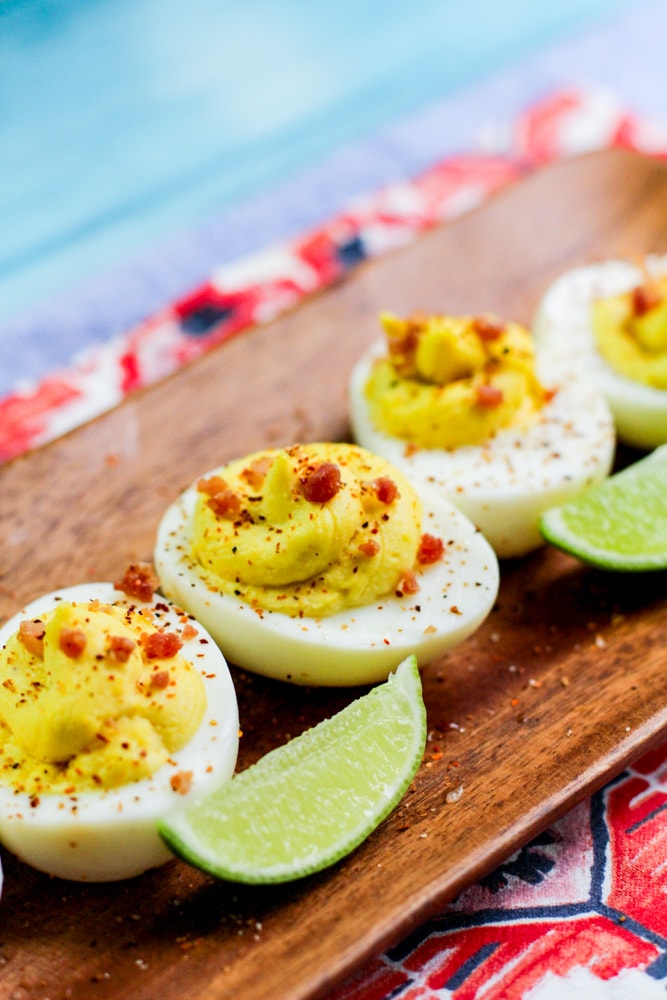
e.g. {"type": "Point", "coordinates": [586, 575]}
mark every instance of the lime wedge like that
{"type": "Point", "coordinates": [308, 803]}
{"type": "Point", "coordinates": [621, 523]}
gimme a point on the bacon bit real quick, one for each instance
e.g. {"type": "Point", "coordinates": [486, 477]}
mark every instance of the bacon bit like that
{"type": "Point", "coordinates": [181, 782]}
{"type": "Point", "coordinates": [408, 584]}
{"type": "Point", "coordinates": [386, 490]}
{"type": "Point", "coordinates": [369, 548]}
{"type": "Point", "coordinates": [211, 485]}
{"type": "Point", "coordinates": [140, 581]}
{"type": "Point", "coordinates": [644, 298]}
{"type": "Point", "coordinates": [255, 473]}
{"type": "Point", "coordinates": [160, 645]}
{"type": "Point", "coordinates": [454, 610]}
{"type": "Point", "coordinates": [189, 632]}
{"type": "Point", "coordinates": [222, 500]}
{"type": "Point", "coordinates": [31, 634]}
{"type": "Point", "coordinates": [160, 679]}
{"type": "Point", "coordinates": [9, 685]}
{"type": "Point", "coordinates": [402, 350]}
{"type": "Point", "coordinates": [321, 483]}
{"type": "Point", "coordinates": [120, 647]}
{"type": "Point", "coordinates": [431, 550]}
{"type": "Point", "coordinates": [72, 642]}
{"type": "Point", "coordinates": [487, 329]}
{"type": "Point", "coordinates": [488, 396]}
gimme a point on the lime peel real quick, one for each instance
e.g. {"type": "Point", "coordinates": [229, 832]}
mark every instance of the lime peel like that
{"type": "Point", "coordinates": [308, 803]}
{"type": "Point", "coordinates": [619, 524]}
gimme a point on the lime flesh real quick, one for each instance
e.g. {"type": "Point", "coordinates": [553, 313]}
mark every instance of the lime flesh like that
{"type": "Point", "coordinates": [308, 803]}
{"type": "Point", "coordinates": [620, 524]}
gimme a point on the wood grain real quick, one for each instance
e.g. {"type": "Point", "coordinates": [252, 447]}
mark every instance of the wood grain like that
{"type": "Point", "coordinates": [559, 690]}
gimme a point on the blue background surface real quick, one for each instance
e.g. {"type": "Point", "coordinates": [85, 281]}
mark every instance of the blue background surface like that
{"type": "Point", "coordinates": [144, 142]}
{"type": "Point", "coordinates": [125, 120]}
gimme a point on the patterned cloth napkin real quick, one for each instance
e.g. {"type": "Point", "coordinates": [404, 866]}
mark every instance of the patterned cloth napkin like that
{"type": "Point", "coordinates": [581, 912]}
{"type": "Point", "coordinates": [257, 289]}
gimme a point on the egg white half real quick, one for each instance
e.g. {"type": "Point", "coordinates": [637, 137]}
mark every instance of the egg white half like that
{"type": "Point", "coordinates": [107, 835]}
{"type": "Point", "coordinates": [563, 327]}
{"type": "Point", "coordinates": [504, 485]}
{"type": "Point", "coordinates": [359, 646]}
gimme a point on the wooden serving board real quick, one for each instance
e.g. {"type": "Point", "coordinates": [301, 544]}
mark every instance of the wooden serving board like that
{"type": "Point", "coordinates": [563, 685]}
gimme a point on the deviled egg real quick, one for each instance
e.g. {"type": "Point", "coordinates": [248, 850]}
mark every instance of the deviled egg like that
{"type": "Point", "coordinates": [610, 318]}
{"type": "Point", "coordinates": [320, 564]}
{"type": "Point", "coordinates": [464, 406]}
{"type": "Point", "coordinates": [115, 710]}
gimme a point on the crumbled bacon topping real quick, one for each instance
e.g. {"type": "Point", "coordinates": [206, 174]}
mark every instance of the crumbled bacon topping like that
{"type": "Point", "coordinates": [140, 581]}
{"type": "Point", "coordinates": [222, 500]}
{"type": "Point", "coordinates": [487, 329]}
{"type": "Point", "coordinates": [31, 634]}
{"type": "Point", "coordinates": [255, 473]}
{"type": "Point", "coordinates": [644, 298]}
{"type": "Point", "coordinates": [120, 647]}
{"type": "Point", "coordinates": [160, 645]}
{"type": "Point", "coordinates": [211, 485]}
{"type": "Point", "coordinates": [488, 396]}
{"type": "Point", "coordinates": [385, 490]}
{"type": "Point", "coordinates": [181, 782]}
{"type": "Point", "coordinates": [72, 641]}
{"type": "Point", "coordinates": [431, 549]}
{"type": "Point", "coordinates": [408, 584]}
{"type": "Point", "coordinates": [321, 482]}
{"type": "Point", "coordinates": [160, 679]}
{"type": "Point", "coordinates": [403, 349]}
{"type": "Point", "coordinates": [226, 504]}
{"type": "Point", "coordinates": [369, 548]}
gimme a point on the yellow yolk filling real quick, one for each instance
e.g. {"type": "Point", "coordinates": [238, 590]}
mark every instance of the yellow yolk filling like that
{"type": "Point", "coordinates": [451, 381]}
{"type": "Point", "coordinates": [310, 530]}
{"type": "Point", "coordinates": [630, 332]}
{"type": "Point", "coordinates": [85, 702]}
